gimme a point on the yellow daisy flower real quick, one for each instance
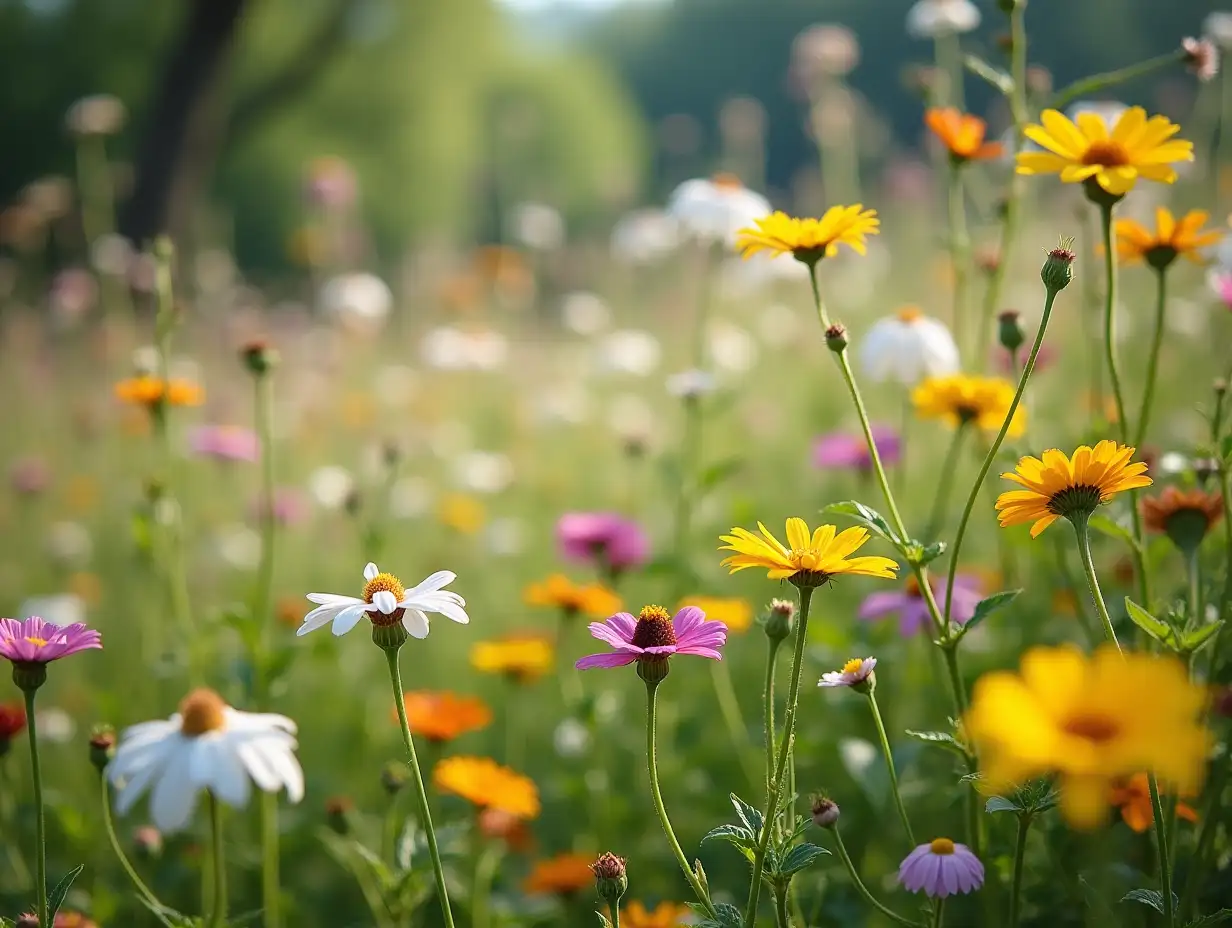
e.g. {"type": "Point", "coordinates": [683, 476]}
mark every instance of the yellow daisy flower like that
{"type": "Point", "coordinates": [1170, 240]}
{"type": "Point", "coordinates": [1114, 160]}
{"type": "Point", "coordinates": [811, 560]}
{"type": "Point", "coordinates": [1091, 721]}
{"type": "Point", "coordinates": [810, 240]}
{"type": "Point", "coordinates": [520, 658]}
{"type": "Point", "coordinates": [593, 599]}
{"type": "Point", "coordinates": [1057, 485]}
{"type": "Point", "coordinates": [736, 614]}
{"type": "Point", "coordinates": [488, 785]}
{"type": "Point", "coordinates": [960, 399]}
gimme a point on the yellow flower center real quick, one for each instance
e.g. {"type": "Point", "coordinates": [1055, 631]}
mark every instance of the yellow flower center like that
{"type": "Point", "coordinates": [1106, 153]}
{"type": "Point", "coordinates": [1098, 729]}
{"type": "Point", "coordinates": [201, 711]}
{"type": "Point", "coordinates": [853, 665]}
{"type": "Point", "coordinates": [725, 180]}
{"type": "Point", "coordinates": [941, 846]}
{"type": "Point", "coordinates": [654, 628]}
{"type": "Point", "coordinates": [37, 642]}
{"type": "Point", "coordinates": [910, 314]}
{"type": "Point", "coordinates": [391, 584]}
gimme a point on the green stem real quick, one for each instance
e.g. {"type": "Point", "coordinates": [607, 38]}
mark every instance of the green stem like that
{"type": "Point", "coordinates": [1020, 849]}
{"type": "Point", "coordinates": [772, 657]}
{"type": "Point", "coordinates": [729, 708]}
{"type": "Point", "coordinates": [889, 760]}
{"type": "Point", "coordinates": [263, 587]}
{"type": "Point", "coordinates": [109, 827]}
{"type": "Point", "coordinates": [615, 913]}
{"type": "Point", "coordinates": [1152, 365]}
{"type": "Point", "coordinates": [861, 888]}
{"type": "Point", "coordinates": [514, 737]}
{"type": "Point", "coordinates": [780, 908]}
{"type": "Point", "coordinates": [938, 913]}
{"type": "Point", "coordinates": [218, 911]}
{"type": "Point", "coordinates": [947, 49]}
{"type": "Point", "coordinates": [942, 500]}
{"type": "Point", "coordinates": [486, 864]}
{"type": "Point", "coordinates": [785, 748]}
{"type": "Point", "coordinates": [271, 882]}
{"type": "Point", "coordinates": [1161, 848]}
{"type": "Point", "coordinates": [421, 795]}
{"type": "Point", "coordinates": [1067, 575]}
{"type": "Point", "coordinates": [1193, 573]}
{"type": "Point", "coordinates": [1225, 599]}
{"type": "Point", "coordinates": [1083, 534]}
{"type": "Point", "coordinates": [652, 768]}
{"type": "Point", "coordinates": [40, 823]}
{"type": "Point", "coordinates": [1097, 82]}
{"type": "Point", "coordinates": [960, 245]}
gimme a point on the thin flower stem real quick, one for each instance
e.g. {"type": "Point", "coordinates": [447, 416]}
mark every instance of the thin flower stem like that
{"type": "Point", "coordinates": [218, 910]}
{"type": "Point", "coordinates": [1067, 575]}
{"type": "Point", "coordinates": [1083, 534]}
{"type": "Point", "coordinates": [514, 736]}
{"type": "Point", "coordinates": [889, 761]}
{"type": "Point", "coordinates": [729, 708]}
{"type": "Point", "coordinates": [772, 658]}
{"type": "Point", "coordinates": [1193, 572]}
{"type": "Point", "coordinates": [652, 768]}
{"type": "Point", "coordinates": [1020, 853]}
{"type": "Point", "coordinates": [960, 246]}
{"type": "Point", "coordinates": [780, 909]}
{"type": "Point", "coordinates": [1225, 599]}
{"type": "Point", "coordinates": [947, 50]}
{"type": "Point", "coordinates": [615, 919]}
{"type": "Point", "coordinates": [861, 888]}
{"type": "Point", "coordinates": [486, 862]}
{"type": "Point", "coordinates": [271, 881]}
{"type": "Point", "coordinates": [785, 748]}
{"type": "Point", "coordinates": [941, 501]}
{"type": "Point", "coordinates": [1152, 364]}
{"type": "Point", "coordinates": [1161, 850]}
{"type": "Point", "coordinates": [421, 795]}
{"type": "Point", "coordinates": [109, 827]}
{"type": "Point", "coordinates": [40, 824]}
{"type": "Point", "coordinates": [938, 913]}
{"type": "Point", "coordinates": [1097, 82]}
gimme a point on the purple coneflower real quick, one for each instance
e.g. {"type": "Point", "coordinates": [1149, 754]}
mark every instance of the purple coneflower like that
{"type": "Point", "coordinates": [850, 450]}
{"type": "Point", "coordinates": [654, 636]}
{"type": "Point", "coordinates": [604, 538]}
{"type": "Point", "coordinates": [855, 673]}
{"type": "Point", "coordinates": [941, 868]}
{"type": "Point", "coordinates": [37, 642]}
{"type": "Point", "coordinates": [913, 611]}
{"type": "Point", "coordinates": [225, 443]}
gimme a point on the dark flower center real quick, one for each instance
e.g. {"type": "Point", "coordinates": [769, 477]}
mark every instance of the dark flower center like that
{"type": "Point", "coordinates": [654, 628]}
{"type": "Point", "coordinates": [1097, 728]}
{"type": "Point", "coordinates": [1073, 500]}
{"type": "Point", "coordinates": [1107, 153]}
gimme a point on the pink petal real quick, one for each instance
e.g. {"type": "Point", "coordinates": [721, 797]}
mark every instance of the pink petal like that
{"type": "Point", "coordinates": [613, 631]}
{"type": "Point", "coordinates": [701, 651]}
{"type": "Point", "coordinates": [660, 649]}
{"type": "Point", "coordinates": [687, 619]}
{"type": "Point", "coordinates": [707, 633]}
{"type": "Point", "coordinates": [611, 659]}
{"type": "Point", "coordinates": [876, 605]}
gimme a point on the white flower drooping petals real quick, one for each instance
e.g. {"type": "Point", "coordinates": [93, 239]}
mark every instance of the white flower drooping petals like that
{"type": "Point", "coordinates": [386, 602]}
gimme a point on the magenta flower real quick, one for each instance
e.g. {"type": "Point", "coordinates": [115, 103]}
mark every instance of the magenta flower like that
{"type": "Point", "coordinates": [290, 508]}
{"type": "Point", "coordinates": [854, 673]}
{"type": "Point", "coordinates": [29, 475]}
{"type": "Point", "coordinates": [37, 642]}
{"type": "Point", "coordinates": [1220, 282]}
{"type": "Point", "coordinates": [913, 611]}
{"type": "Point", "coordinates": [225, 443]}
{"type": "Point", "coordinates": [941, 868]}
{"type": "Point", "coordinates": [655, 636]}
{"type": "Point", "coordinates": [1045, 359]}
{"type": "Point", "coordinates": [850, 450]}
{"type": "Point", "coordinates": [606, 539]}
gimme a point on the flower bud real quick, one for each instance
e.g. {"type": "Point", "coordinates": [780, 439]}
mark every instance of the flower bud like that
{"type": "Point", "coordinates": [1220, 386]}
{"type": "Point", "coordinates": [148, 842]}
{"type": "Point", "coordinates": [611, 879]}
{"type": "Point", "coordinates": [1058, 268]}
{"type": "Point", "coordinates": [102, 746]}
{"type": "Point", "coordinates": [779, 619]}
{"type": "Point", "coordinates": [259, 357]}
{"type": "Point", "coordinates": [26, 920]}
{"type": "Point", "coordinates": [825, 812]}
{"type": "Point", "coordinates": [1201, 57]}
{"type": "Point", "coordinates": [394, 776]}
{"type": "Point", "coordinates": [988, 260]}
{"type": "Point", "coordinates": [836, 338]}
{"type": "Point", "coordinates": [1009, 330]}
{"type": "Point", "coordinates": [338, 812]}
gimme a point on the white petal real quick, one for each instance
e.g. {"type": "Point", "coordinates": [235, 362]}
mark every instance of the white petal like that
{"type": "Point", "coordinates": [265, 722]}
{"type": "Point", "coordinates": [129, 760]}
{"type": "Point", "coordinates": [433, 583]}
{"type": "Point", "coordinates": [384, 600]}
{"type": "Point", "coordinates": [347, 619]}
{"type": "Point", "coordinates": [162, 726]}
{"type": "Point", "coordinates": [415, 623]}
{"type": "Point", "coordinates": [332, 599]}
{"type": "Point", "coordinates": [288, 768]}
{"type": "Point", "coordinates": [215, 766]}
{"type": "Point", "coordinates": [370, 571]}
{"type": "Point", "coordinates": [259, 768]}
{"type": "Point", "coordinates": [319, 617]}
{"type": "Point", "coordinates": [132, 783]}
{"type": "Point", "coordinates": [175, 793]}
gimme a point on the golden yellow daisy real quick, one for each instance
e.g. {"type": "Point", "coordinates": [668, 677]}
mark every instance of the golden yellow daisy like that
{"type": "Point", "coordinates": [735, 613]}
{"type": "Point", "coordinates": [1058, 486]}
{"type": "Point", "coordinates": [593, 599]}
{"type": "Point", "coordinates": [484, 782]}
{"type": "Point", "coordinates": [960, 399]}
{"type": "Point", "coordinates": [521, 658]}
{"type": "Point", "coordinates": [1113, 160]}
{"type": "Point", "coordinates": [810, 560]}
{"type": "Point", "coordinates": [810, 240]}
{"type": "Point", "coordinates": [1091, 721]}
{"type": "Point", "coordinates": [1170, 240]}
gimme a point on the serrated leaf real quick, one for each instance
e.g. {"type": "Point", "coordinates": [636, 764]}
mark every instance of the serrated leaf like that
{"type": "Point", "coordinates": [870, 518]}
{"type": "Point", "coordinates": [987, 606]}
{"type": "Point", "coordinates": [56, 899]}
{"type": "Point", "coordinates": [751, 817]}
{"type": "Point", "coordinates": [1001, 804]}
{"type": "Point", "coordinates": [1214, 918]}
{"type": "Point", "coordinates": [736, 834]}
{"type": "Point", "coordinates": [1150, 897]}
{"type": "Point", "coordinates": [1106, 526]}
{"type": "Point", "coordinates": [719, 471]}
{"type": "Point", "coordinates": [1196, 639]}
{"type": "Point", "coordinates": [800, 858]}
{"type": "Point", "coordinates": [1147, 622]}
{"type": "Point", "coordinates": [943, 738]}
{"type": "Point", "coordinates": [170, 918]}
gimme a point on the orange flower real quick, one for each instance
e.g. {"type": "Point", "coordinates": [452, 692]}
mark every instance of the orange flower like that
{"type": "Point", "coordinates": [1184, 516]}
{"type": "Point", "coordinates": [962, 134]}
{"type": "Point", "coordinates": [1134, 799]}
{"type": "Point", "coordinates": [593, 599]}
{"type": "Point", "coordinates": [488, 785]}
{"type": "Point", "coordinates": [498, 825]}
{"type": "Point", "coordinates": [443, 716]}
{"type": "Point", "coordinates": [665, 915]}
{"type": "Point", "coordinates": [563, 874]}
{"type": "Point", "coordinates": [153, 391]}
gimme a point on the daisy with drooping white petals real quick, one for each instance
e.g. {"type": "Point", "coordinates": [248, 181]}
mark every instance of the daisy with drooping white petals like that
{"type": "Point", "coordinates": [385, 601]}
{"type": "Point", "coordinates": [207, 745]}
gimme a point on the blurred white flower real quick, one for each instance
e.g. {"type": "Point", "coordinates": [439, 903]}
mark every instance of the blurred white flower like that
{"type": "Point", "coordinates": [778, 325]}
{"type": "Point", "coordinates": [69, 542]}
{"type": "Point", "coordinates": [1218, 28]}
{"type": "Point", "coordinates": [504, 537]}
{"type": "Point", "coordinates": [742, 276]}
{"type": "Point", "coordinates": [97, 114]}
{"type": "Point", "coordinates": [111, 254]}
{"type": "Point", "coordinates": [732, 348]}
{"type": "Point", "coordinates": [394, 384]}
{"type": "Point", "coordinates": [331, 486]}
{"type": "Point", "coordinates": [410, 498]}
{"type": "Point", "coordinates": [448, 348]}
{"type": "Point", "coordinates": [691, 384]}
{"type": "Point", "coordinates": [1108, 110]}
{"type": "Point", "coordinates": [487, 349]}
{"type": "Point", "coordinates": [55, 725]}
{"type": "Point", "coordinates": [537, 226]}
{"type": "Point", "coordinates": [824, 49]}
{"type": "Point", "coordinates": [609, 707]}
{"type": "Point", "coordinates": [928, 19]}
{"type": "Point", "coordinates": [857, 756]}
{"type": "Point", "coordinates": [571, 738]}
{"type": "Point", "coordinates": [145, 359]}
{"type": "Point", "coordinates": [239, 546]}
{"type": "Point", "coordinates": [907, 348]}
{"type": "Point", "coordinates": [565, 402]}
{"type": "Point", "coordinates": [585, 313]}
{"type": "Point", "coordinates": [1172, 462]}
{"type": "Point", "coordinates": [645, 236]}
{"type": "Point", "coordinates": [359, 297]}
{"type": "Point", "coordinates": [57, 608]}
{"type": "Point", "coordinates": [483, 471]}
{"type": "Point", "coordinates": [630, 351]}
{"type": "Point", "coordinates": [714, 210]}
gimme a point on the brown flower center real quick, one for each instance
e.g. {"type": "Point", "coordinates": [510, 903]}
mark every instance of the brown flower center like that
{"type": "Point", "coordinates": [654, 628]}
{"type": "Point", "coordinates": [725, 180]}
{"type": "Point", "coordinates": [1107, 153]}
{"type": "Point", "coordinates": [390, 584]}
{"type": "Point", "coordinates": [202, 711]}
{"type": "Point", "coordinates": [1098, 729]}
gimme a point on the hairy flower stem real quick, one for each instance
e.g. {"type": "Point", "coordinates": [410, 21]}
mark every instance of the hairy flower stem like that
{"type": "Point", "coordinates": [1020, 853]}
{"type": "Point", "coordinates": [1161, 849]}
{"type": "Point", "coordinates": [1152, 364]}
{"type": "Point", "coordinates": [218, 910]}
{"type": "Point", "coordinates": [785, 749]}
{"type": "Point", "coordinates": [861, 888]}
{"type": "Point", "coordinates": [772, 658]}
{"type": "Point", "coordinates": [40, 822]}
{"type": "Point", "coordinates": [890, 769]}
{"type": "Point", "coordinates": [421, 795]}
{"type": "Point", "coordinates": [941, 501]}
{"type": "Point", "coordinates": [652, 768]}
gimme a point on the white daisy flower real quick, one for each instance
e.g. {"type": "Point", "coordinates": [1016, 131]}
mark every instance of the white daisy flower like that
{"type": "Point", "coordinates": [928, 19]}
{"type": "Point", "coordinates": [207, 745]}
{"type": "Point", "coordinates": [691, 384]}
{"type": "Point", "coordinates": [908, 347]}
{"type": "Point", "coordinates": [714, 210]}
{"type": "Point", "coordinates": [854, 673]}
{"type": "Point", "coordinates": [386, 602]}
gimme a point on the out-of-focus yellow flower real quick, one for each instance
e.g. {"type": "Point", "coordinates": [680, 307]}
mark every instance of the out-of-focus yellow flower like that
{"type": "Point", "coordinates": [810, 240]}
{"type": "Point", "coordinates": [150, 391]}
{"type": "Point", "coordinates": [808, 559]}
{"type": "Point", "coordinates": [358, 410]}
{"type": "Point", "coordinates": [488, 785]}
{"type": "Point", "coordinates": [593, 599]}
{"type": "Point", "coordinates": [521, 658]}
{"type": "Point", "coordinates": [1091, 721]}
{"type": "Point", "coordinates": [1170, 240]}
{"type": "Point", "coordinates": [960, 399]}
{"type": "Point", "coordinates": [461, 513]}
{"type": "Point", "coordinates": [86, 586]}
{"type": "Point", "coordinates": [81, 494]}
{"type": "Point", "coordinates": [735, 613]}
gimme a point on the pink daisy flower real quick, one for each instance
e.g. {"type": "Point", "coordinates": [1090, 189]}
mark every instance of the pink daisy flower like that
{"type": "Point", "coordinates": [606, 539]}
{"type": "Point", "coordinates": [941, 868]}
{"type": "Point", "coordinates": [854, 673]}
{"type": "Point", "coordinates": [654, 636]}
{"type": "Point", "coordinates": [911, 609]}
{"type": "Point", "coordinates": [225, 443]}
{"type": "Point", "coordinates": [37, 642]}
{"type": "Point", "coordinates": [849, 450]}
{"type": "Point", "coordinates": [1220, 282]}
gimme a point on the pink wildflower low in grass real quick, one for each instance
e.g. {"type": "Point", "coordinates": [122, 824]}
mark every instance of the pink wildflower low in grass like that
{"type": "Point", "coordinates": [912, 611]}
{"type": "Point", "coordinates": [655, 636]}
{"type": "Point", "coordinates": [34, 641]}
{"type": "Point", "coordinates": [854, 673]}
{"type": "Point", "coordinates": [941, 868]}
{"type": "Point", "coordinates": [849, 450]}
{"type": "Point", "coordinates": [606, 539]}
{"type": "Point", "coordinates": [1220, 282]}
{"type": "Point", "coordinates": [225, 443]}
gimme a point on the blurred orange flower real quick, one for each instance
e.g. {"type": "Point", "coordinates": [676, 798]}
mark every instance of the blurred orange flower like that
{"type": "Point", "coordinates": [664, 915]}
{"type": "Point", "coordinates": [562, 875]}
{"type": "Point", "coordinates": [488, 785]}
{"type": "Point", "coordinates": [962, 134]}
{"type": "Point", "coordinates": [151, 391]}
{"type": "Point", "coordinates": [443, 716]}
{"type": "Point", "coordinates": [594, 599]}
{"type": "Point", "coordinates": [1134, 799]}
{"type": "Point", "coordinates": [498, 825]}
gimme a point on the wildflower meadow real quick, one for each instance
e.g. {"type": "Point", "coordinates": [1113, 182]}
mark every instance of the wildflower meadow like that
{"type": "Point", "coordinates": [735, 556]}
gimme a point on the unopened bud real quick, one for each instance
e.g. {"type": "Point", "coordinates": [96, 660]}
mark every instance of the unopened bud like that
{"type": "Point", "coordinates": [653, 670]}
{"type": "Point", "coordinates": [1058, 268]}
{"type": "Point", "coordinates": [825, 812]}
{"type": "Point", "coordinates": [779, 619]}
{"type": "Point", "coordinates": [1201, 57]}
{"type": "Point", "coordinates": [102, 746]}
{"type": "Point", "coordinates": [611, 878]}
{"type": "Point", "coordinates": [1220, 386]}
{"type": "Point", "coordinates": [26, 920]}
{"type": "Point", "coordinates": [394, 776]}
{"type": "Point", "coordinates": [836, 338]}
{"type": "Point", "coordinates": [259, 357]}
{"type": "Point", "coordinates": [338, 812]}
{"type": "Point", "coordinates": [988, 260]}
{"type": "Point", "coordinates": [1009, 330]}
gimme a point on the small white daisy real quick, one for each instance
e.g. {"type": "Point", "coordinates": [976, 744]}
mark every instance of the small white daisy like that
{"type": "Point", "coordinates": [854, 672]}
{"type": "Point", "coordinates": [207, 745]}
{"type": "Point", "coordinates": [386, 602]}
{"type": "Point", "coordinates": [907, 347]}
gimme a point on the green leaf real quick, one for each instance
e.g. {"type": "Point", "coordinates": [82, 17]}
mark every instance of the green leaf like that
{"type": "Point", "coordinates": [728, 916]}
{"type": "Point", "coordinates": [942, 738]}
{"type": "Point", "coordinates": [741, 837]}
{"type": "Point", "coordinates": [1214, 918]}
{"type": "Point", "coordinates": [719, 471]}
{"type": "Point", "coordinates": [986, 607]}
{"type": "Point", "coordinates": [1197, 639]}
{"type": "Point", "coordinates": [930, 553]}
{"type": "Point", "coordinates": [1150, 897]}
{"type": "Point", "coordinates": [1225, 449]}
{"type": "Point", "coordinates": [870, 518]}
{"type": "Point", "coordinates": [751, 817]}
{"type": "Point", "coordinates": [170, 918]}
{"type": "Point", "coordinates": [603, 922]}
{"type": "Point", "coordinates": [404, 850]}
{"type": "Point", "coordinates": [1147, 622]}
{"type": "Point", "coordinates": [1106, 526]}
{"type": "Point", "coordinates": [994, 76]}
{"type": "Point", "coordinates": [1001, 804]}
{"type": "Point", "coordinates": [56, 899]}
{"type": "Point", "coordinates": [800, 858]}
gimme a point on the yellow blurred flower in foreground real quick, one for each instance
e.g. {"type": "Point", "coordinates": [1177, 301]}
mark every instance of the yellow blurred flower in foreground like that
{"type": "Point", "coordinates": [561, 875]}
{"type": "Point", "coordinates": [1058, 486]}
{"type": "Point", "coordinates": [736, 614]}
{"type": "Point", "coordinates": [810, 560]}
{"type": "Point", "coordinates": [151, 391]}
{"type": "Point", "coordinates": [1113, 160]}
{"type": "Point", "coordinates": [521, 658]}
{"type": "Point", "coordinates": [1170, 239]}
{"type": "Point", "coordinates": [960, 399]}
{"type": "Point", "coordinates": [810, 240]}
{"type": "Point", "coordinates": [1091, 721]}
{"type": "Point", "coordinates": [488, 785]}
{"type": "Point", "coordinates": [592, 599]}
{"type": "Point", "coordinates": [664, 915]}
